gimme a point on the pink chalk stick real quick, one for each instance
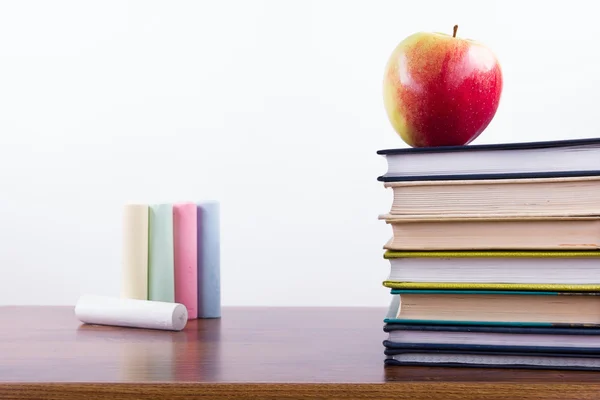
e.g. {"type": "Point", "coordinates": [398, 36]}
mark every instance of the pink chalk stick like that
{"type": "Point", "coordinates": [186, 257]}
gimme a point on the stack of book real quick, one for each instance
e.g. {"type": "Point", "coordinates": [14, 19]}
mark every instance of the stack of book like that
{"type": "Point", "coordinates": [494, 258]}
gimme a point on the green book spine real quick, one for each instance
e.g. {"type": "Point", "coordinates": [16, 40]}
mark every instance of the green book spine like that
{"type": "Point", "coordinates": [161, 269]}
{"type": "Point", "coordinates": [478, 292]}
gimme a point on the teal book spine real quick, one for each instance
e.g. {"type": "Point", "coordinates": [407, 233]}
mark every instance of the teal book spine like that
{"type": "Point", "coordinates": [209, 260]}
{"type": "Point", "coordinates": [161, 269]}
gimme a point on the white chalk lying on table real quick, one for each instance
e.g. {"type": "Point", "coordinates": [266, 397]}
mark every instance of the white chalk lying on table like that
{"type": "Point", "coordinates": [102, 310]}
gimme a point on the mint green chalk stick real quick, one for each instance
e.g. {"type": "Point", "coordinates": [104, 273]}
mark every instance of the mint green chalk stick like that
{"type": "Point", "coordinates": [161, 270]}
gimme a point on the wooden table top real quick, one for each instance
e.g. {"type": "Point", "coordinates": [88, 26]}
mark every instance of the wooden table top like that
{"type": "Point", "coordinates": [262, 353]}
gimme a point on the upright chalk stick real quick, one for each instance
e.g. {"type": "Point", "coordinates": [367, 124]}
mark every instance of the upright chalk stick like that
{"type": "Point", "coordinates": [134, 313]}
{"type": "Point", "coordinates": [209, 260]}
{"type": "Point", "coordinates": [185, 256]}
{"type": "Point", "coordinates": [134, 283]}
{"type": "Point", "coordinates": [161, 262]}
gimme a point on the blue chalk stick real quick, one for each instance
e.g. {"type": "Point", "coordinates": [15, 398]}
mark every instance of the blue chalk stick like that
{"type": "Point", "coordinates": [209, 260]}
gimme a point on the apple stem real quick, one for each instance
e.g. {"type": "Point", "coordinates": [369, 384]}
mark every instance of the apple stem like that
{"type": "Point", "coordinates": [455, 29]}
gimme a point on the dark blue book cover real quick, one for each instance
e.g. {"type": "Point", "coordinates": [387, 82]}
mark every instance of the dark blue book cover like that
{"type": "Point", "coordinates": [491, 359]}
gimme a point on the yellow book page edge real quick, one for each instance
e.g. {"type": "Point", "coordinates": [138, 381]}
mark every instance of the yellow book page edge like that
{"type": "Point", "coordinates": [497, 253]}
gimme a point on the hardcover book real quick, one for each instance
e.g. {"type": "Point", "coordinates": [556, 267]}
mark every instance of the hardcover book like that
{"type": "Point", "coordinates": [493, 359]}
{"type": "Point", "coordinates": [499, 270]}
{"type": "Point", "coordinates": [558, 158]}
{"type": "Point", "coordinates": [495, 307]}
{"type": "Point", "coordinates": [493, 233]}
{"type": "Point", "coordinates": [515, 338]}
{"type": "Point", "coordinates": [534, 197]}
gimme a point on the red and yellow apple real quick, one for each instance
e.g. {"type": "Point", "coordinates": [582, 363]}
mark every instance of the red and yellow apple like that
{"type": "Point", "coordinates": [441, 90]}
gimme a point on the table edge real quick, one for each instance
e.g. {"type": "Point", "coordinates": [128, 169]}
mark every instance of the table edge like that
{"type": "Point", "coordinates": [275, 390]}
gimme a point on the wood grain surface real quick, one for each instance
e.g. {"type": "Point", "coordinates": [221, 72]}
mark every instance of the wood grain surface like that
{"type": "Point", "coordinates": [261, 353]}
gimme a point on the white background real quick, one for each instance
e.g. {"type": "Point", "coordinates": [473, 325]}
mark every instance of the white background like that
{"type": "Point", "coordinates": [274, 108]}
